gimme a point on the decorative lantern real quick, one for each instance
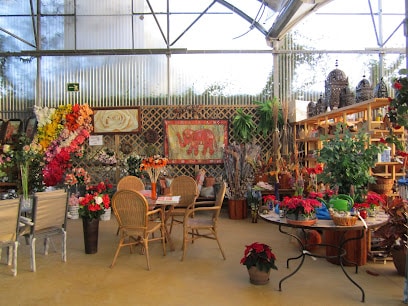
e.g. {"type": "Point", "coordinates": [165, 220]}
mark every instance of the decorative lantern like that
{"type": "Point", "coordinates": [364, 90]}
{"type": "Point", "coordinates": [346, 97]}
{"type": "Point", "coordinates": [380, 90]}
{"type": "Point", "coordinates": [320, 105]}
{"type": "Point", "coordinates": [311, 109]}
{"type": "Point", "coordinates": [335, 82]}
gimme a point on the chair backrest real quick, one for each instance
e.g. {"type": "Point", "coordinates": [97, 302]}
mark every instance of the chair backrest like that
{"type": "Point", "coordinates": [219, 197]}
{"type": "Point", "coordinates": [186, 187]}
{"type": "Point", "coordinates": [50, 210]}
{"type": "Point", "coordinates": [130, 208]}
{"type": "Point", "coordinates": [130, 182]}
{"type": "Point", "coordinates": [9, 216]}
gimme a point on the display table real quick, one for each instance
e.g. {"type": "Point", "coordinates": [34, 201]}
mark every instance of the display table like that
{"type": "Point", "coordinates": [325, 225]}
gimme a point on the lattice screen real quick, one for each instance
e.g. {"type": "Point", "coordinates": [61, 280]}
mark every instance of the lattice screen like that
{"type": "Point", "coordinates": [152, 118]}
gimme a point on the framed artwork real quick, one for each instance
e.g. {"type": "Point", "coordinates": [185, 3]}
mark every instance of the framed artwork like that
{"type": "Point", "coordinates": [10, 130]}
{"type": "Point", "coordinates": [117, 120]}
{"type": "Point", "coordinates": [195, 141]}
{"type": "Point", "coordinates": [31, 127]}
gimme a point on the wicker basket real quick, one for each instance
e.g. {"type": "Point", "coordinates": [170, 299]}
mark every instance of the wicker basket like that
{"type": "Point", "coordinates": [344, 221]}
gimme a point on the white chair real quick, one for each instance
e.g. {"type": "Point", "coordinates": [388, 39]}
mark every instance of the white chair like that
{"type": "Point", "coordinates": [9, 227]}
{"type": "Point", "coordinates": [49, 219]}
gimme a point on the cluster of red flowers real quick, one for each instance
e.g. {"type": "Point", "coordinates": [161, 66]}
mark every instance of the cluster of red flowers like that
{"type": "Point", "coordinates": [259, 255]}
{"type": "Point", "coordinates": [97, 199]}
{"type": "Point", "coordinates": [300, 205]}
{"type": "Point", "coordinates": [315, 170]}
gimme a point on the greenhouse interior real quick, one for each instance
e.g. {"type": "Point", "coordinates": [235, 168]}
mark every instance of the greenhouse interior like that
{"type": "Point", "coordinates": [275, 128]}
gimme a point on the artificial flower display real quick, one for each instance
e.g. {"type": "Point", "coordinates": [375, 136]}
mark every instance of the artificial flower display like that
{"type": "Point", "coordinates": [61, 132]}
{"type": "Point", "coordinates": [153, 166]}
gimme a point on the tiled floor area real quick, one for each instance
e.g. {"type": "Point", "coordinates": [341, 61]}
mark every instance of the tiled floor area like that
{"type": "Point", "coordinates": [204, 278]}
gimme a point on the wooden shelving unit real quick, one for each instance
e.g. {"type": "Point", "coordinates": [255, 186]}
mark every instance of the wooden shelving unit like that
{"type": "Point", "coordinates": [308, 132]}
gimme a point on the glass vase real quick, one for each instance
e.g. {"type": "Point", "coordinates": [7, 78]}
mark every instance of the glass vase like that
{"type": "Point", "coordinates": [154, 190]}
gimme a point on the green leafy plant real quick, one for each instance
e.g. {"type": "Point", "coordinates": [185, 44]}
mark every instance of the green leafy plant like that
{"type": "Point", "coordinates": [266, 118]}
{"type": "Point", "coordinates": [347, 159]}
{"type": "Point", "coordinates": [243, 126]}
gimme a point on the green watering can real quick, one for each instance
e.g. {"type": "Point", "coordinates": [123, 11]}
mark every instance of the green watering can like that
{"type": "Point", "coordinates": [342, 202]}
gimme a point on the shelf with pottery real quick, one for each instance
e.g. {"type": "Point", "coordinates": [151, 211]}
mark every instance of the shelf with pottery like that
{"type": "Point", "coordinates": [308, 132]}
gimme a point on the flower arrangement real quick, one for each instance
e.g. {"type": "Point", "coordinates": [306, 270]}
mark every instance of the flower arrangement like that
{"type": "Point", "coordinates": [398, 108]}
{"type": "Point", "coordinates": [375, 200]}
{"type": "Point", "coordinates": [95, 201]}
{"type": "Point", "coordinates": [133, 163]}
{"type": "Point", "coordinates": [300, 206]}
{"type": "Point", "coordinates": [77, 176]}
{"type": "Point", "coordinates": [24, 156]}
{"type": "Point", "coordinates": [269, 200]}
{"type": "Point", "coordinates": [106, 157]}
{"type": "Point", "coordinates": [313, 172]}
{"type": "Point", "coordinates": [153, 166]}
{"type": "Point", "coordinates": [61, 132]}
{"type": "Point", "coordinates": [259, 255]}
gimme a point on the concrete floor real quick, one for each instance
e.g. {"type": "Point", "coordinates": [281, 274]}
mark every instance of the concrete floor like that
{"type": "Point", "coordinates": [204, 278]}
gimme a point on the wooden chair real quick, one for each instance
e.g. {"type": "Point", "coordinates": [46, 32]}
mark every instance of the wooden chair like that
{"type": "Point", "coordinates": [130, 182]}
{"type": "Point", "coordinates": [205, 219]}
{"type": "Point", "coordinates": [49, 218]}
{"type": "Point", "coordinates": [186, 187]}
{"type": "Point", "coordinates": [135, 226]}
{"type": "Point", "coordinates": [9, 228]}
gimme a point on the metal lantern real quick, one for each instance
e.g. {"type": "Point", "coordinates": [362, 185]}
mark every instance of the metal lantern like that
{"type": "Point", "coordinates": [364, 90]}
{"type": "Point", "coordinates": [346, 97]}
{"type": "Point", "coordinates": [335, 82]}
{"type": "Point", "coordinates": [380, 90]}
{"type": "Point", "coordinates": [320, 105]}
{"type": "Point", "coordinates": [311, 109]}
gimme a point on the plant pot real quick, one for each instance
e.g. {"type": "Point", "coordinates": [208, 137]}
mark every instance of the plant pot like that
{"type": "Point", "coordinates": [300, 219]}
{"type": "Point", "coordinates": [107, 215]}
{"type": "Point", "coordinates": [73, 211]}
{"type": "Point", "coordinates": [258, 277]}
{"type": "Point", "coordinates": [237, 209]}
{"type": "Point", "coordinates": [399, 257]}
{"type": "Point", "coordinates": [91, 229]}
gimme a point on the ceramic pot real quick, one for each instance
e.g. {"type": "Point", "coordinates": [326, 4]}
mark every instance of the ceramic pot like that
{"type": "Point", "coordinates": [91, 229]}
{"type": "Point", "coordinates": [258, 277]}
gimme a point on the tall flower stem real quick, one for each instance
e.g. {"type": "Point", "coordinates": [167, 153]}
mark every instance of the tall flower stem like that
{"type": "Point", "coordinates": [24, 167]}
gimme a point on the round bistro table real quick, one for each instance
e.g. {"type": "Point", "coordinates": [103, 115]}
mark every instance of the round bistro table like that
{"type": "Point", "coordinates": [325, 225]}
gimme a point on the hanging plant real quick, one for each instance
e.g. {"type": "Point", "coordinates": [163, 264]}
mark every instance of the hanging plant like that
{"type": "Point", "coordinates": [243, 126]}
{"type": "Point", "coordinates": [267, 121]}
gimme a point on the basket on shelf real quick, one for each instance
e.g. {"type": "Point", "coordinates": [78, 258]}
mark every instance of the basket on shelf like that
{"type": "Point", "coordinates": [343, 220]}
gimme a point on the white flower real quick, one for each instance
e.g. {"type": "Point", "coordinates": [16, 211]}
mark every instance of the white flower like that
{"type": "Point", "coordinates": [98, 200]}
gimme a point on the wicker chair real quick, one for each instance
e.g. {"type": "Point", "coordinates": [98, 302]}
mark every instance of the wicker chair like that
{"type": "Point", "coordinates": [205, 219]}
{"type": "Point", "coordinates": [135, 225]}
{"type": "Point", "coordinates": [9, 216]}
{"type": "Point", "coordinates": [186, 187]}
{"type": "Point", "coordinates": [130, 182]}
{"type": "Point", "coordinates": [49, 219]}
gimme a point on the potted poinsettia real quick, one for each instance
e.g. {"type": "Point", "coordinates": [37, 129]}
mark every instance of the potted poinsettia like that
{"type": "Point", "coordinates": [259, 260]}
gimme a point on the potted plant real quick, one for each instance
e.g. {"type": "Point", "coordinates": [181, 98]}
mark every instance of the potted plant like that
{"type": "Point", "coordinates": [91, 207]}
{"type": "Point", "coordinates": [259, 260]}
{"type": "Point", "coordinates": [393, 239]}
{"type": "Point", "coordinates": [239, 176]}
{"type": "Point", "coordinates": [300, 210]}
{"type": "Point", "coordinates": [347, 160]}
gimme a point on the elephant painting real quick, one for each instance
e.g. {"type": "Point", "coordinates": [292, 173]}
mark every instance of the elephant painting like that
{"type": "Point", "coordinates": [194, 138]}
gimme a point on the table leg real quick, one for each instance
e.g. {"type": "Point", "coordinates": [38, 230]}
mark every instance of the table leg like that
{"type": "Point", "coordinates": [341, 252]}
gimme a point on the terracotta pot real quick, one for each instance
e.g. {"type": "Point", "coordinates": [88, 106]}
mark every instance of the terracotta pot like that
{"type": "Point", "coordinates": [258, 277]}
{"type": "Point", "coordinates": [399, 259]}
{"type": "Point", "coordinates": [237, 209]}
